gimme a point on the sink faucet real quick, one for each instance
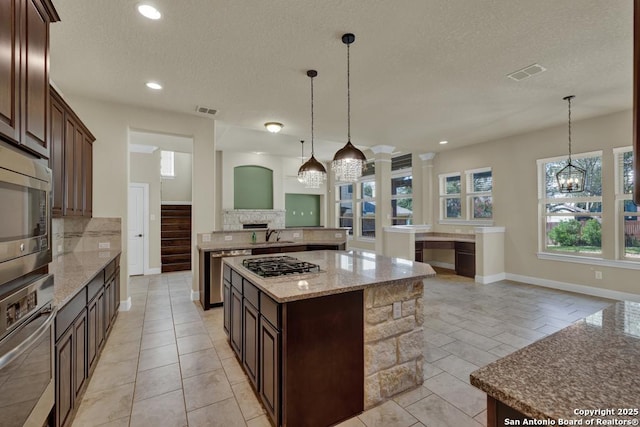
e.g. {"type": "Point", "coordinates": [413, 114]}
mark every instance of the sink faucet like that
{"type": "Point", "coordinates": [269, 233]}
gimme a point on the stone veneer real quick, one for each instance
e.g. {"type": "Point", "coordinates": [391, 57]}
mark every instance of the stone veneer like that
{"type": "Point", "coordinates": [234, 219]}
{"type": "Point", "coordinates": [393, 348]}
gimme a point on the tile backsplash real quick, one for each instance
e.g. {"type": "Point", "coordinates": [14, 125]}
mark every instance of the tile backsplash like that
{"type": "Point", "coordinates": [85, 234]}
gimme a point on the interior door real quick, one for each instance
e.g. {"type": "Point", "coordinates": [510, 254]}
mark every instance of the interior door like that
{"type": "Point", "coordinates": [136, 229]}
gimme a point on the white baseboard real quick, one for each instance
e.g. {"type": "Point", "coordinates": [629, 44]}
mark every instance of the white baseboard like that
{"type": "Point", "coordinates": [441, 264]}
{"type": "Point", "coordinates": [195, 295]}
{"type": "Point", "coordinates": [150, 271]}
{"type": "Point", "coordinates": [572, 287]}
{"type": "Point", "coordinates": [490, 279]}
{"type": "Point", "coordinates": [125, 305]}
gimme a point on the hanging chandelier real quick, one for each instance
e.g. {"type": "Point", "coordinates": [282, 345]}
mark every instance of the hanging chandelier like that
{"type": "Point", "coordinates": [348, 162]}
{"type": "Point", "coordinates": [301, 176]}
{"type": "Point", "coordinates": [571, 177]}
{"type": "Point", "coordinates": [312, 173]}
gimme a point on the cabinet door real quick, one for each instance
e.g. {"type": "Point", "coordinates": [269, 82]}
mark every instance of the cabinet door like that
{"type": "Point", "coordinates": [236, 322]}
{"type": "Point", "coordinates": [56, 158]}
{"type": "Point", "coordinates": [78, 169]}
{"type": "Point", "coordinates": [35, 63]}
{"type": "Point", "coordinates": [100, 325]}
{"type": "Point", "coordinates": [80, 350]}
{"type": "Point", "coordinates": [92, 322]}
{"type": "Point", "coordinates": [226, 306]}
{"type": "Point", "coordinates": [9, 70]}
{"type": "Point", "coordinates": [65, 389]}
{"type": "Point", "coordinates": [250, 320]}
{"type": "Point", "coordinates": [69, 208]}
{"type": "Point", "coordinates": [117, 290]}
{"type": "Point", "coordinates": [466, 264]}
{"type": "Point", "coordinates": [87, 177]}
{"type": "Point", "coordinates": [269, 369]}
{"type": "Point", "coordinates": [108, 304]}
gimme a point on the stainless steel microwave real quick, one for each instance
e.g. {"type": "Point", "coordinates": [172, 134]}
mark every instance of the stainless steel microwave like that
{"type": "Point", "coordinates": [25, 222]}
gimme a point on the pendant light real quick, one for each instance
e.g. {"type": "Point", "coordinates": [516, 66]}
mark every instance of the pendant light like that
{"type": "Point", "coordinates": [348, 162]}
{"type": "Point", "coordinates": [571, 177]}
{"type": "Point", "coordinates": [300, 176]}
{"type": "Point", "coordinates": [312, 173]}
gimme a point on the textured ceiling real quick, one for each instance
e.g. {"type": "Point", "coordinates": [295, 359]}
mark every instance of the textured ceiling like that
{"type": "Point", "coordinates": [422, 70]}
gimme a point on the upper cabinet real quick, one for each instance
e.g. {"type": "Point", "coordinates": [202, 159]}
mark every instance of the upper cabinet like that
{"type": "Point", "coordinates": [24, 73]}
{"type": "Point", "coordinates": [71, 161]}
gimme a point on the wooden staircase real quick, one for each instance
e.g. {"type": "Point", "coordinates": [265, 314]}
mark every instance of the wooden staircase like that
{"type": "Point", "coordinates": [175, 232]}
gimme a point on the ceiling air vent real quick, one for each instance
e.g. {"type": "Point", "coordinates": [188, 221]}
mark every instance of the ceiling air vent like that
{"type": "Point", "coordinates": [205, 110]}
{"type": "Point", "coordinates": [526, 72]}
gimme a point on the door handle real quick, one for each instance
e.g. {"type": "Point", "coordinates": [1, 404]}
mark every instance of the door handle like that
{"type": "Point", "coordinates": [138, 235]}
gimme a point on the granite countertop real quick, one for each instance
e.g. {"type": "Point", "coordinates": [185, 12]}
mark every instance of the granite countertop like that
{"type": "Point", "coordinates": [224, 246]}
{"type": "Point", "coordinates": [592, 364]}
{"type": "Point", "coordinates": [340, 271]}
{"type": "Point", "coordinates": [445, 237]}
{"type": "Point", "coordinates": [72, 271]}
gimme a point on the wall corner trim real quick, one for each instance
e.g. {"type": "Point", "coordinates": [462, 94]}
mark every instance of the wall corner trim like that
{"type": "Point", "coordinates": [195, 295]}
{"type": "Point", "coordinates": [125, 305]}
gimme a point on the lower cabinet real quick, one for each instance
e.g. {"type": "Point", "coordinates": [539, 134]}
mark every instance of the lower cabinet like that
{"type": "Point", "coordinates": [236, 321]}
{"type": "Point", "coordinates": [226, 307]}
{"type": "Point", "coordinates": [466, 259]}
{"type": "Point", "coordinates": [81, 329]}
{"type": "Point", "coordinates": [269, 368]}
{"type": "Point", "coordinates": [250, 320]}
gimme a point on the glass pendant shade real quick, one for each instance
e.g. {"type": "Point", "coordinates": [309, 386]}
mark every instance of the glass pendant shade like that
{"type": "Point", "coordinates": [348, 162]}
{"type": "Point", "coordinates": [571, 177]}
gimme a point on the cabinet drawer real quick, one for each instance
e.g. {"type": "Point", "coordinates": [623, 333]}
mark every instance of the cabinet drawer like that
{"type": "Point", "coordinates": [109, 270]}
{"type": "Point", "coordinates": [236, 280]}
{"type": "Point", "coordinates": [226, 273]}
{"type": "Point", "coordinates": [251, 293]}
{"type": "Point", "coordinates": [69, 312]}
{"type": "Point", "coordinates": [430, 244]}
{"type": "Point", "coordinates": [95, 285]}
{"type": "Point", "coordinates": [270, 310]}
{"type": "Point", "coordinates": [466, 247]}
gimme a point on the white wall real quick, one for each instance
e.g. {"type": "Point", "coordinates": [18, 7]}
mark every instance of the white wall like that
{"type": "Point", "coordinates": [515, 197]}
{"type": "Point", "coordinates": [110, 124]}
{"type": "Point", "coordinates": [178, 188]}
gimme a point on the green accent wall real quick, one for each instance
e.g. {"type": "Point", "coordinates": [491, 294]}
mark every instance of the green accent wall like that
{"type": "Point", "coordinates": [302, 210]}
{"type": "Point", "coordinates": [252, 187]}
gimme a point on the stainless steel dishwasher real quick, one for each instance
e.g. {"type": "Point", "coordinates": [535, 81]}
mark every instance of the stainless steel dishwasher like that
{"type": "Point", "coordinates": [215, 281]}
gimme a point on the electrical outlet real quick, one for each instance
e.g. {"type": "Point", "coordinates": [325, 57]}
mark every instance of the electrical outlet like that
{"type": "Point", "coordinates": [397, 310]}
{"type": "Point", "coordinates": [152, 217]}
{"type": "Point", "coordinates": [104, 245]}
{"type": "Point", "coordinates": [228, 238]}
{"type": "Point", "coordinates": [59, 249]}
{"type": "Point", "coordinates": [296, 235]}
{"type": "Point", "coordinates": [598, 275]}
{"type": "Point", "coordinates": [206, 237]}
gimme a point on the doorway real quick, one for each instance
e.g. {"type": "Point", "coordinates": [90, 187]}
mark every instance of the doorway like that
{"type": "Point", "coordinates": [138, 228]}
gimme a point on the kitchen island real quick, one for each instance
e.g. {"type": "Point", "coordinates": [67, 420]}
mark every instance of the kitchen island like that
{"type": "Point", "coordinates": [321, 347]}
{"type": "Point", "coordinates": [587, 371]}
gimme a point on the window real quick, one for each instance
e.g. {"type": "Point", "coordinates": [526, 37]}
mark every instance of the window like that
{"type": "Point", "coordinates": [167, 169]}
{"type": "Point", "coordinates": [479, 198]}
{"type": "Point", "coordinates": [450, 199]}
{"type": "Point", "coordinates": [344, 206]}
{"type": "Point", "coordinates": [628, 212]}
{"type": "Point", "coordinates": [571, 222]}
{"type": "Point", "coordinates": [401, 190]}
{"type": "Point", "coordinates": [367, 204]}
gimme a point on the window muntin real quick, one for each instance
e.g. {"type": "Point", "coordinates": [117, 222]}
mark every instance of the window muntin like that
{"type": "Point", "coordinates": [344, 206]}
{"type": "Point", "coordinates": [450, 196]}
{"type": "Point", "coordinates": [571, 222]}
{"type": "Point", "coordinates": [479, 191]}
{"type": "Point", "coordinates": [628, 212]}
{"type": "Point", "coordinates": [367, 212]}
{"type": "Point", "coordinates": [167, 164]}
{"type": "Point", "coordinates": [402, 199]}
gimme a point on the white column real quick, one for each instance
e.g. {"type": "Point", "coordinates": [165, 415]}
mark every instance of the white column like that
{"type": "Point", "coordinates": [382, 155]}
{"type": "Point", "coordinates": [429, 185]}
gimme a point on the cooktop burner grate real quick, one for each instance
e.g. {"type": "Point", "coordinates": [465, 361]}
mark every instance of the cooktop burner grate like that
{"type": "Point", "coordinates": [279, 266]}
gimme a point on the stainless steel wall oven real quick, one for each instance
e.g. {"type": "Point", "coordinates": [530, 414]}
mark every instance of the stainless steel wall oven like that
{"type": "Point", "coordinates": [25, 221]}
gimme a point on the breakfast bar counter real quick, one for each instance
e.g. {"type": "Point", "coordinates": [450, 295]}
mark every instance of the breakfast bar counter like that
{"type": "Point", "coordinates": [587, 371]}
{"type": "Point", "coordinates": [323, 345]}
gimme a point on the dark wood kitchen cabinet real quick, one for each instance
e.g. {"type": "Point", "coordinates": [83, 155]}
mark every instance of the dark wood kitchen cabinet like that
{"type": "Point", "coordinates": [82, 327]}
{"type": "Point", "coordinates": [235, 329]}
{"type": "Point", "coordinates": [71, 161]}
{"type": "Point", "coordinates": [466, 259]}
{"type": "Point", "coordinates": [250, 320]}
{"type": "Point", "coordinates": [24, 73]}
{"type": "Point", "coordinates": [269, 368]}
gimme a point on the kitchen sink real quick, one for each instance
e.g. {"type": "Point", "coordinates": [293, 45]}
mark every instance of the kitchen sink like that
{"type": "Point", "coordinates": [273, 242]}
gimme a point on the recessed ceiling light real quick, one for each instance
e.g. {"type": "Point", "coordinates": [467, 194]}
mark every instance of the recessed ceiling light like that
{"type": "Point", "coordinates": [149, 11]}
{"type": "Point", "coordinates": [444, 142]}
{"type": "Point", "coordinates": [154, 85]}
{"type": "Point", "coordinates": [258, 152]}
{"type": "Point", "coordinates": [274, 127]}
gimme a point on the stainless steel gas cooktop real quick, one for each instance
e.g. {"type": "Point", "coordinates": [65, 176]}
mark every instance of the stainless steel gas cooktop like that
{"type": "Point", "coordinates": [279, 266]}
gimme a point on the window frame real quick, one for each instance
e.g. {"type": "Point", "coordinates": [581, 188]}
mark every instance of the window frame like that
{"type": "Point", "coordinates": [543, 200]}
{"type": "Point", "coordinates": [401, 173]}
{"type": "Point", "coordinates": [444, 196]}
{"type": "Point", "coordinates": [472, 194]}
{"type": "Point", "coordinates": [361, 199]}
{"type": "Point", "coordinates": [620, 210]}
{"type": "Point", "coordinates": [338, 204]}
{"type": "Point", "coordinates": [171, 164]}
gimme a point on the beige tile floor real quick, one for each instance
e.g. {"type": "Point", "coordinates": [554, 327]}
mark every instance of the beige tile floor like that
{"type": "Point", "coordinates": [167, 362]}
